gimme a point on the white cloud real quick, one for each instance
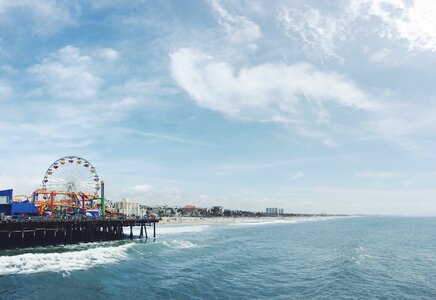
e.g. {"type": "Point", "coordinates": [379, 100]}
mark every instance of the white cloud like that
{"type": "Point", "coordinates": [156, 195]}
{"type": "Point", "coordinates": [296, 175]}
{"type": "Point", "coordinates": [141, 188]}
{"type": "Point", "coordinates": [124, 104]}
{"type": "Point", "coordinates": [267, 92]}
{"type": "Point", "coordinates": [24, 183]}
{"type": "Point", "coordinates": [408, 125]}
{"type": "Point", "coordinates": [322, 33]}
{"type": "Point", "coordinates": [239, 29]}
{"type": "Point", "coordinates": [171, 138]}
{"type": "Point", "coordinates": [45, 16]}
{"type": "Point", "coordinates": [410, 21]}
{"type": "Point", "coordinates": [8, 69]}
{"type": "Point", "coordinates": [135, 93]}
{"type": "Point", "coordinates": [3, 52]}
{"type": "Point", "coordinates": [257, 167]}
{"type": "Point", "coordinates": [67, 74]}
{"type": "Point", "coordinates": [319, 33]}
{"type": "Point", "coordinates": [380, 174]}
{"type": "Point", "coordinates": [5, 91]}
{"type": "Point", "coordinates": [108, 54]}
{"type": "Point", "coordinates": [381, 55]}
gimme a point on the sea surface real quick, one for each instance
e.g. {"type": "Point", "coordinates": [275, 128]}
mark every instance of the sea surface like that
{"type": "Point", "coordinates": [343, 258]}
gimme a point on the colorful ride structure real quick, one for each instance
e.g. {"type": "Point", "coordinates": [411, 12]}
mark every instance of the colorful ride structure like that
{"type": "Point", "coordinates": [70, 186]}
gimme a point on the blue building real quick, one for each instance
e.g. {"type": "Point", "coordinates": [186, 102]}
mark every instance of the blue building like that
{"type": "Point", "coordinates": [6, 196]}
{"type": "Point", "coordinates": [10, 208]}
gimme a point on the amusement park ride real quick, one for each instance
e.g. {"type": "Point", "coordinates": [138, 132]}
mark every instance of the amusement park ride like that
{"type": "Point", "coordinates": [71, 200]}
{"type": "Point", "coordinates": [70, 186]}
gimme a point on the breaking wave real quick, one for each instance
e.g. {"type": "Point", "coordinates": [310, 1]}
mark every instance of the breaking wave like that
{"type": "Point", "coordinates": [179, 244]}
{"type": "Point", "coordinates": [182, 229]}
{"type": "Point", "coordinates": [62, 262]}
{"type": "Point", "coordinates": [280, 221]}
{"type": "Point", "coordinates": [165, 230]}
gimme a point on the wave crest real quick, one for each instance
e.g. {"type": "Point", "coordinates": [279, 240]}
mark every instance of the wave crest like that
{"type": "Point", "coordinates": [62, 262]}
{"type": "Point", "coordinates": [179, 244]}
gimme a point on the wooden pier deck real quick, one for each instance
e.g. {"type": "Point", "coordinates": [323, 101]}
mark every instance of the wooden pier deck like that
{"type": "Point", "coordinates": [44, 232]}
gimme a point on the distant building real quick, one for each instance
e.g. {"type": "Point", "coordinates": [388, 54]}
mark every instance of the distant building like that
{"type": "Point", "coordinates": [217, 210]}
{"type": "Point", "coordinates": [191, 210]}
{"type": "Point", "coordinates": [168, 211]}
{"type": "Point", "coordinates": [129, 208]}
{"type": "Point", "coordinates": [163, 211]}
{"type": "Point", "coordinates": [274, 211]}
{"type": "Point", "coordinates": [271, 211]}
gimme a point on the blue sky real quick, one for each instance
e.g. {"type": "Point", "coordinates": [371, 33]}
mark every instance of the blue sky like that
{"type": "Point", "coordinates": [247, 104]}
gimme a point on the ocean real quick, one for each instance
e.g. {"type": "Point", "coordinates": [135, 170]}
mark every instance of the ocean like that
{"type": "Point", "coordinates": [342, 258]}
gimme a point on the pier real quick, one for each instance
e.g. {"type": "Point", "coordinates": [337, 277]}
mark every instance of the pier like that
{"type": "Point", "coordinates": [44, 232]}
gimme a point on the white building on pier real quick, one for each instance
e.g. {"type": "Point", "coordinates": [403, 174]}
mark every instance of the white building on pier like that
{"type": "Point", "coordinates": [129, 208]}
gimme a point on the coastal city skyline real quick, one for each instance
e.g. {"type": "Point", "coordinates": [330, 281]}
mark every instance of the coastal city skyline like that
{"type": "Point", "coordinates": [247, 105]}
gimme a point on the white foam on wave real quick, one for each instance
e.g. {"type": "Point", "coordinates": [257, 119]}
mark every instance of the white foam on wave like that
{"type": "Point", "coordinates": [359, 255]}
{"type": "Point", "coordinates": [182, 229]}
{"type": "Point", "coordinates": [179, 244]}
{"type": "Point", "coordinates": [165, 230]}
{"type": "Point", "coordinates": [62, 262]}
{"type": "Point", "coordinates": [279, 221]}
{"type": "Point", "coordinates": [259, 223]}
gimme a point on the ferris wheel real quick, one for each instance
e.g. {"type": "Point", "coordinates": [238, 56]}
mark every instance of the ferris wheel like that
{"type": "Point", "coordinates": [71, 174]}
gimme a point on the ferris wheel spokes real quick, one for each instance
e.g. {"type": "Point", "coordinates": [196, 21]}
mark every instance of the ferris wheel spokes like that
{"type": "Point", "coordinates": [72, 174]}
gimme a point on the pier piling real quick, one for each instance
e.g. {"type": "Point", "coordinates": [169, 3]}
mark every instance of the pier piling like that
{"type": "Point", "coordinates": [141, 234]}
{"type": "Point", "coordinates": [41, 232]}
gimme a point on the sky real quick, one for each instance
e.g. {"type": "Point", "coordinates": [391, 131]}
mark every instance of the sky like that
{"type": "Point", "coordinates": [311, 106]}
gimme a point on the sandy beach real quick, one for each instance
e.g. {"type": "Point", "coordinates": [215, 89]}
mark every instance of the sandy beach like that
{"type": "Point", "coordinates": [199, 220]}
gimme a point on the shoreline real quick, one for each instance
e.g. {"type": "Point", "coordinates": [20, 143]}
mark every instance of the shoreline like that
{"type": "Point", "coordinates": [209, 220]}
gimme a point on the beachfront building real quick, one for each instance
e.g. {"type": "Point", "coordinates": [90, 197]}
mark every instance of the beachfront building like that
{"type": "Point", "coordinates": [217, 210]}
{"type": "Point", "coordinates": [192, 211]}
{"type": "Point", "coordinates": [164, 211]}
{"type": "Point", "coordinates": [129, 208]}
{"type": "Point", "coordinates": [274, 211]}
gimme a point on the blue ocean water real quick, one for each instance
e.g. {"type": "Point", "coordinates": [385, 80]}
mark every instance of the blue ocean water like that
{"type": "Point", "coordinates": [351, 258]}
